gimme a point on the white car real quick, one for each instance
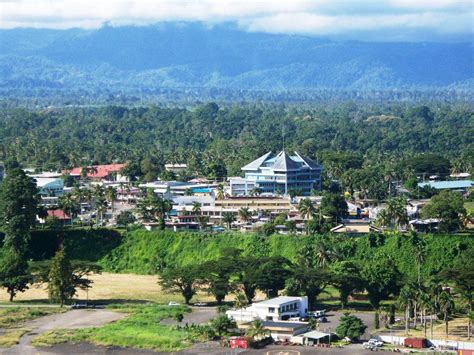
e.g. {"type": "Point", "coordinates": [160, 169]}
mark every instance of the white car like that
{"type": "Point", "coordinates": [372, 343]}
{"type": "Point", "coordinates": [173, 304]}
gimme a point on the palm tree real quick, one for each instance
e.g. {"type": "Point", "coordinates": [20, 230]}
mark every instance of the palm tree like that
{"type": "Point", "coordinates": [245, 214]}
{"type": "Point", "coordinates": [446, 304]}
{"type": "Point", "coordinates": [111, 195]}
{"type": "Point", "coordinates": [220, 192]}
{"type": "Point", "coordinates": [256, 330]}
{"type": "Point", "coordinates": [306, 208]}
{"type": "Point", "coordinates": [240, 301]}
{"type": "Point", "coordinates": [203, 221]}
{"type": "Point", "coordinates": [228, 218]}
{"type": "Point", "coordinates": [405, 300]}
{"type": "Point", "coordinates": [196, 208]}
{"type": "Point", "coordinates": [68, 203]}
{"type": "Point", "coordinates": [324, 253]}
{"type": "Point", "coordinates": [425, 303]}
{"type": "Point", "coordinates": [396, 208]}
{"type": "Point", "coordinates": [420, 253]}
{"type": "Point", "coordinates": [384, 219]}
{"type": "Point", "coordinates": [256, 191]}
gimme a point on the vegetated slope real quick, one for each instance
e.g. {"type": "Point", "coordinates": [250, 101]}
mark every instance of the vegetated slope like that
{"type": "Point", "coordinates": [192, 55]}
{"type": "Point", "coordinates": [144, 252]}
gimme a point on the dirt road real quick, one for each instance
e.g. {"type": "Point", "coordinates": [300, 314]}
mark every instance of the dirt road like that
{"type": "Point", "coordinates": [73, 319]}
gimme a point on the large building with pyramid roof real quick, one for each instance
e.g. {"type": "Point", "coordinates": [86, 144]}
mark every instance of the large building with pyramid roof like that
{"type": "Point", "coordinates": [277, 174]}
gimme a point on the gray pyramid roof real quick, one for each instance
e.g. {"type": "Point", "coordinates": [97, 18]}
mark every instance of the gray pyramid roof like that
{"type": "Point", "coordinates": [283, 162]}
{"type": "Point", "coordinates": [258, 162]}
{"type": "Point", "coordinates": [309, 162]}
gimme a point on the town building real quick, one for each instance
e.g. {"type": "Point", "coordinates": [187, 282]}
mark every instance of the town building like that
{"type": "Point", "coordinates": [275, 309]}
{"type": "Point", "coordinates": [108, 172]}
{"type": "Point", "coordinates": [281, 331]}
{"type": "Point", "coordinates": [455, 185]}
{"type": "Point", "coordinates": [176, 168]}
{"type": "Point", "coordinates": [277, 174]}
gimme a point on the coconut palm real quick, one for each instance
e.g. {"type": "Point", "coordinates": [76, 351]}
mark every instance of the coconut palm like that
{"type": "Point", "coordinates": [405, 301]}
{"type": "Point", "coordinates": [240, 301]}
{"type": "Point", "coordinates": [228, 218]}
{"type": "Point", "coordinates": [196, 208]}
{"type": "Point", "coordinates": [384, 219]}
{"type": "Point", "coordinates": [396, 208]}
{"type": "Point", "coordinates": [220, 192]}
{"type": "Point", "coordinates": [306, 208]}
{"type": "Point", "coordinates": [256, 191]}
{"type": "Point", "coordinates": [111, 196]}
{"type": "Point", "coordinates": [69, 205]}
{"type": "Point", "coordinates": [245, 214]}
{"type": "Point", "coordinates": [257, 330]}
{"type": "Point", "coordinates": [446, 306]}
{"type": "Point", "coordinates": [425, 303]}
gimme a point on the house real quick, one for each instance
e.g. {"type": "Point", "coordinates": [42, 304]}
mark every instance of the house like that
{"type": "Point", "coordinates": [277, 174]}
{"type": "Point", "coordinates": [311, 338]}
{"type": "Point", "coordinates": [109, 172]}
{"type": "Point", "coordinates": [355, 227]}
{"type": "Point", "coordinates": [279, 308]}
{"type": "Point", "coordinates": [425, 225]}
{"type": "Point", "coordinates": [176, 168]}
{"type": "Point", "coordinates": [60, 215]}
{"type": "Point", "coordinates": [456, 185]}
{"type": "Point", "coordinates": [281, 331]}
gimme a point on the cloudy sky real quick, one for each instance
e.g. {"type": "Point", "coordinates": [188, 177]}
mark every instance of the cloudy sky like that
{"type": "Point", "coordinates": [361, 19]}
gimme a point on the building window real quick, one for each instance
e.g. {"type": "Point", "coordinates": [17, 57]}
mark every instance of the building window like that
{"type": "Point", "coordinates": [271, 310]}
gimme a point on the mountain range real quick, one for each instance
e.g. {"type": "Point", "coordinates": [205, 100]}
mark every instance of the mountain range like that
{"type": "Point", "coordinates": [177, 55]}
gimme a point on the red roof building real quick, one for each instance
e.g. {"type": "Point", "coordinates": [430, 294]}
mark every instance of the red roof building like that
{"type": "Point", "coordinates": [99, 172]}
{"type": "Point", "coordinates": [58, 214]}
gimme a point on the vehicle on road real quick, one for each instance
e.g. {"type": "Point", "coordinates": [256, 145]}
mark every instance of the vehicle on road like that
{"type": "Point", "coordinates": [200, 304]}
{"type": "Point", "coordinates": [172, 303]}
{"type": "Point", "coordinates": [77, 305]}
{"type": "Point", "coordinates": [372, 344]}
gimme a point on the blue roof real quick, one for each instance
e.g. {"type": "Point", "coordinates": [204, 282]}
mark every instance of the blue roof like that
{"type": "Point", "coordinates": [201, 189]}
{"type": "Point", "coordinates": [440, 185]}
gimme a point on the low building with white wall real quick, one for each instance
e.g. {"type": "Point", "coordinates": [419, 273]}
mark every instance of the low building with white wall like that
{"type": "Point", "coordinates": [275, 309]}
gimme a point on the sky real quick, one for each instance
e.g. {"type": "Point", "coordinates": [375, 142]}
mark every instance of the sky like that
{"type": "Point", "coordinates": [404, 20]}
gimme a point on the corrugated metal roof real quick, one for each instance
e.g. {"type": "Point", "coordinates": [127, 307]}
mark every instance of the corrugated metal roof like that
{"type": "Point", "coordinates": [440, 185]}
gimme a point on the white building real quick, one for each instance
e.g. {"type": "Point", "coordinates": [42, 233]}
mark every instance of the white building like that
{"type": "Point", "coordinates": [279, 308]}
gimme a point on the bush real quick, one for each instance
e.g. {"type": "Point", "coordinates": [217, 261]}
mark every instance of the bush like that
{"type": "Point", "coordinates": [351, 327]}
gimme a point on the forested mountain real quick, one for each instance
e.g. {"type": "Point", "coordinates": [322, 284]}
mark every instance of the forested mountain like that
{"type": "Point", "coordinates": [191, 55]}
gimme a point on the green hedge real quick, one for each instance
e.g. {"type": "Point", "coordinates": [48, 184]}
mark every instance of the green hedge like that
{"type": "Point", "coordinates": [142, 252]}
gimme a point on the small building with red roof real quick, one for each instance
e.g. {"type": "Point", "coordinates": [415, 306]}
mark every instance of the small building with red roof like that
{"type": "Point", "coordinates": [109, 172]}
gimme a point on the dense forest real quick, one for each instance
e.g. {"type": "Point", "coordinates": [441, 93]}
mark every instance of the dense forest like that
{"type": "Point", "coordinates": [216, 141]}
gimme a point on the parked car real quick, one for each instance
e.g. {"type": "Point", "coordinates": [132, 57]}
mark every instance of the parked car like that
{"type": "Point", "coordinates": [372, 343]}
{"type": "Point", "coordinates": [172, 303]}
{"type": "Point", "coordinates": [200, 304]}
{"type": "Point", "coordinates": [77, 305]}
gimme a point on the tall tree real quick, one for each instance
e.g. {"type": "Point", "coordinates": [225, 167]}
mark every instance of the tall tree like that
{"type": "Point", "coordinates": [61, 287]}
{"type": "Point", "coordinates": [183, 280]}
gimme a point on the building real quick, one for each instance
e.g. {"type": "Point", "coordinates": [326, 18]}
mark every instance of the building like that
{"type": "Point", "coordinates": [281, 331]}
{"type": "Point", "coordinates": [455, 185]}
{"type": "Point", "coordinates": [277, 174]}
{"type": "Point", "coordinates": [176, 168]}
{"type": "Point", "coordinates": [109, 172]}
{"type": "Point", "coordinates": [50, 187]}
{"type": "Point", "coordinates": [275, 309]}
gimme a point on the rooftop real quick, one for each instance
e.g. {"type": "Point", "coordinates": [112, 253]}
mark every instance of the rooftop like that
{"type": "Point", "coordinates": [98, 171]}
{"type": "Point", "coordinates": [281, 162]}
{"type": "Point", "coordinates": [440, 185]}
{"type": "Point", "coordinates": [278, 301]}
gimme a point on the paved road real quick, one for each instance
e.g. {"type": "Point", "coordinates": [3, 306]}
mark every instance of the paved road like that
{"type": "Point", "coordinates": [74, 319]}
{"type": "Point", "coordinates": [199, 315]}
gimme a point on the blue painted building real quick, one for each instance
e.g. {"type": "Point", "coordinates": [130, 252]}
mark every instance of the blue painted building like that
{"type": "Point", "coordinates": [277, 174]}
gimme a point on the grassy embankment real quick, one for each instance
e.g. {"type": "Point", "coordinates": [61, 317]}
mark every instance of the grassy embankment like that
{"type": "Point", "coordinates": [142, 330]}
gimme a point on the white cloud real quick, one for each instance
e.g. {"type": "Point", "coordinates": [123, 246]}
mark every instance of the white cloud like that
{"type": "Point", "coordinates": [318, 17]}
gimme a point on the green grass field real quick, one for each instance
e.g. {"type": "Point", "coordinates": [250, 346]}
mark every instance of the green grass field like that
{"type": "Point", "coordinates": [142, 330]}
{"type": "Point", "coordinates": [11, 317]}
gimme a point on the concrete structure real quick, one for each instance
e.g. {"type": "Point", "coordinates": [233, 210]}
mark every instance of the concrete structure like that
{"type": "Point", "coordinates": [109, 172]}
{"type": "Point", "coordinates": [176, 168]}
{"type": "Point", "coordinates": [311, 338]}
{"type": "Point", "coordinates": [456, 185]}
{"type": "Point", "coordinates": [275, 309]}
{"type": "Point", "coordinates": [278, 174]}
{"type": "Point", "coordinates": [50, 187]}
{"type": "Point", "coordinates": [281, 331]}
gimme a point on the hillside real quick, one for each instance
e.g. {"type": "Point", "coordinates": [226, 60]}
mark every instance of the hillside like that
{"type": "Point", "coordinates": [182, 56]}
